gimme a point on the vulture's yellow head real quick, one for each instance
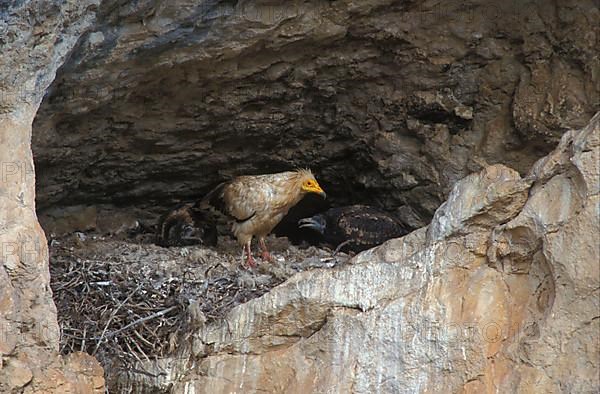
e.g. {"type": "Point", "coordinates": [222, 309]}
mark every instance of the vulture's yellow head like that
{"type": "Point", "coordinates": [309, 184]}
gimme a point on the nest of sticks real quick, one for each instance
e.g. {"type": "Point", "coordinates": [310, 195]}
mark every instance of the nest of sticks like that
{"type": "Point", "coordinates": [122, 313]}
{"type": "Point", "coordinates": [127, 303]}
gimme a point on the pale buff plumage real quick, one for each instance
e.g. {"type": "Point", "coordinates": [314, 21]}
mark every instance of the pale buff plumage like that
{"type": "Point", "coordinates": [258, 203]}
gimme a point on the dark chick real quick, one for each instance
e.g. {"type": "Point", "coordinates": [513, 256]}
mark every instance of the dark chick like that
{"type": "Point", "coordinates": [357, 227]}
{"type": "Point", "coordinates": [185, 226]}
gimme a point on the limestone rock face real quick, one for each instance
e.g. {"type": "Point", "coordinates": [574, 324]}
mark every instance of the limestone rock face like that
{"type": "Point", "coordinates": [499, 294]}
{"type": "Point", "coordinates": [35, 36]}
{"type": "Point", "coordinates": [142, 103]}
{"type": "Point", "coordinates": [388, 101]}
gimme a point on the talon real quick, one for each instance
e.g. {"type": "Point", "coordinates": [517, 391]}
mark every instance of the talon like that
{"type": "Point", "coordinates": [266, 256]}
{"type": "Point", "coordinates": [250, 262]}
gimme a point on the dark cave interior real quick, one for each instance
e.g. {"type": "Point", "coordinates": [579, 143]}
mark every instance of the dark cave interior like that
{"type": "Point", "coordinates": [388, 110]}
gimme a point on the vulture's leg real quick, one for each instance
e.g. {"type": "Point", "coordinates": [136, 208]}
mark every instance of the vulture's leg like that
{"type": "Point", "coordinates": [265, 255]}
{"type": "Point", "coordinates": [249, 259]}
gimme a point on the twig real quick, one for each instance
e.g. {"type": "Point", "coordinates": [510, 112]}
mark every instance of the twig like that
{"type": "Point", "coordinates": [83, 341]}
{"type": "Point", "coordinates": [138, 321]}
{"type": "Point", "coordinates": [114, 313]}
{"type": "Point", "coordinates": [139, 348]}
{"type": "Point", "coordinates": [141, 338]}
{"type": "Point", "coordinates": [133, 353]}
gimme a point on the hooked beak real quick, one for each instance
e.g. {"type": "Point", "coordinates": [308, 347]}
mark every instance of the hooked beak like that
{"type": "Point", "coordinates": [317, 189]}
{"type": "Point", "coordinates": [314, 189]}
{"type": "Point", "coordinates": [312, 224]}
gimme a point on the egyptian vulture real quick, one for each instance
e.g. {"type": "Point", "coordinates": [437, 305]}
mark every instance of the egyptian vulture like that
{"type": "Point", "coordinates": [185, 225]}
{"type": "Point", "coordinates": [257, 203]}
{"type": "Point", "coordinates": [355, 227]}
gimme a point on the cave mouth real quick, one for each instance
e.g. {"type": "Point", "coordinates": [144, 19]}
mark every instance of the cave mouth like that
{"type": "Point", "coordinates": [155, 106]}
{"type": "Point", "coordinates": [145, 147]}
{"type": "Point", "coordinates": [105, 176]}
{"type": "Point", "coordinates": [388, 105]}
{"type": "Point", "coordinates": [142, 144]}
{"type": "Point", "coordinates": [114, 154]}
{"type": "Point", "coordinates": [146, 164]}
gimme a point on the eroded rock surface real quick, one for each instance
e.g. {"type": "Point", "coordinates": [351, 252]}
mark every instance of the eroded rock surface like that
{"type": "Point", "coordinates": [501, 293]}
{"type": "Point", "coordinates": [390, 102]}
{"type": "Point", "coordinates": [35, 36]}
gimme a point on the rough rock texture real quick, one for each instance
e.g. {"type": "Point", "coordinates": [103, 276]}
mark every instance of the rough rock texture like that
{"type": "Point", "coordinates": [35, 37]}
{"type": "Point", "coordinates": [501, 293]}
{"type": "Point", "coordinates": [391, 102]}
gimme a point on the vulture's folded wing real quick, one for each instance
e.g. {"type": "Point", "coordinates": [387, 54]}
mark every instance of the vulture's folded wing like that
{"type": "Point", "coordinates": [241, 198]}
{"type": "Point", "coordinates": [214, 199]}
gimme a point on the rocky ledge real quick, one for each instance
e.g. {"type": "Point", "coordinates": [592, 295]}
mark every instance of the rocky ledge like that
{"type": "Point", "coordinates": [138, 104]}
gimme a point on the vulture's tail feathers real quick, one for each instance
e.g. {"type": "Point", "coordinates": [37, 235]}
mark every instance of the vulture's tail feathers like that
{"type": "Point", "coordinates": [213, 200]}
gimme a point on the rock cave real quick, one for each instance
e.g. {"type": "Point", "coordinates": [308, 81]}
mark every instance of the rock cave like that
{"type": "Point", "coordinates": [473, 123]}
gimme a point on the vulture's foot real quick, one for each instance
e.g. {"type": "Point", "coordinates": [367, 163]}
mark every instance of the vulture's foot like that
{"type": "Point", "coordinates": [250, 262]}
{"type": "Point", "coordinates": [266, 256]}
